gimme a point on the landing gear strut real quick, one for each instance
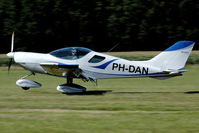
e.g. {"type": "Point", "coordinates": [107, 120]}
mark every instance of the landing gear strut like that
{"type": "Point", "coordinates": [69, 81]}
{"type": "Point", "coordinates": [69, 87]}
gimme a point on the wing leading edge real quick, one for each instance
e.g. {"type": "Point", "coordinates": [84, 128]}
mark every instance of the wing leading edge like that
{"type": "Point", "coordinates": [60, 69]}
{"type": "Point", "coordinates": [67, 70]}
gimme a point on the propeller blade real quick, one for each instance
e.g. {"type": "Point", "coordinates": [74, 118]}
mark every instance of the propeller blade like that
{"type": "Point", "coordinates": [10, 63]}
{"type": "Point", "coordinates": [12, 43]}
{"type": "Point", "coordinates": [11, 53]}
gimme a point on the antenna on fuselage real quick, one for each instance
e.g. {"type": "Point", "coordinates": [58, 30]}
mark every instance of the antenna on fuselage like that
{"type": "Point", "coordinates": [113, 47]}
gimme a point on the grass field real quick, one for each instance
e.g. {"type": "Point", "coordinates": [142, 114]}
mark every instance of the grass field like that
{"type": "Point", "coordinates": [132, 105]}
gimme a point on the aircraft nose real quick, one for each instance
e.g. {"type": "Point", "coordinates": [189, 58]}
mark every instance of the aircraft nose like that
{"type": "Point", "coordinates": [10, 54]}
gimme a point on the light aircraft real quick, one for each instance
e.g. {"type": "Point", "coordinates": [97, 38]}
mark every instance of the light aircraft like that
{"type": "Point", "coordinates": [88, 65]}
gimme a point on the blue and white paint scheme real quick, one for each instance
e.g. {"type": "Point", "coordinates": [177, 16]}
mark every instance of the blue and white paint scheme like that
{"type": "Point", "coordinates": [88, 65]}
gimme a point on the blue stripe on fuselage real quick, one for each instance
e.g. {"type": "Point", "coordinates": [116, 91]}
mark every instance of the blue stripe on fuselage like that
{"type": "Point", "coordinates": [129, 75]}
{"type": "Point", "coordinates": [103, 66]}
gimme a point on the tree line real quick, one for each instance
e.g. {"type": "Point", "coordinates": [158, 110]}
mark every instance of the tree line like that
{"type": "Point", "coordinates": [45, 25]}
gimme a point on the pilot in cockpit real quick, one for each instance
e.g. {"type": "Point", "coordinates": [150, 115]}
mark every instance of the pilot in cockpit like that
{"type": "Point", "coordinates": [74, 54]}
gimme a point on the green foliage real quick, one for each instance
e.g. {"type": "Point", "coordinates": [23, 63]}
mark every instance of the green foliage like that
{"type": "Point", "coordinates": [44, 25]}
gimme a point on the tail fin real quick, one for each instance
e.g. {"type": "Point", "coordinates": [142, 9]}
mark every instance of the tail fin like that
{"type": "Point", "coordinates": [173, 58]}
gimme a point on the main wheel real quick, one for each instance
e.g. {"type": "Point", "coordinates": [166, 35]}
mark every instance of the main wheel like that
{"type": "Point", "coordinates": [71, 88]}
{"type": "Point", "coordinates": [25, 88]}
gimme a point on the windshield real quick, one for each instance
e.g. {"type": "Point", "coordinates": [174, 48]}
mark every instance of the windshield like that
{"type": "Point", "coordinates": [70, 53]}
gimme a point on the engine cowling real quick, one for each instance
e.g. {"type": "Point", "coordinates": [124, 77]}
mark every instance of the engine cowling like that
{"type": "Point", "coordinates": [26, 83]}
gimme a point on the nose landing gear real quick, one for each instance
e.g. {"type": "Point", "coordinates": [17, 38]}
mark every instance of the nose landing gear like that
{"type": "Point", "coordinates": [26, 84]}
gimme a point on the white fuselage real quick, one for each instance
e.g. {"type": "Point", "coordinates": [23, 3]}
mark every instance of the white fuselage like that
{"type": "Point", "coordinates": [110, 67]}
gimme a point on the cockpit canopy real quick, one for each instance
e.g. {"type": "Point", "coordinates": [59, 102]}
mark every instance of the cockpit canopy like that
{"type": "Point", "coordinates": [70, 53]}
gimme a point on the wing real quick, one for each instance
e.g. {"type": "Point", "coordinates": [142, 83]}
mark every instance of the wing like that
{"type": "Point", "coordinates": [67, 70]}
{"type": "Point", "coordinates": [60, 69]}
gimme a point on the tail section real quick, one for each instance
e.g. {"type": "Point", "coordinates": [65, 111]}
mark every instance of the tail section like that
{"type": "Point", "coordinates": [173, 58]}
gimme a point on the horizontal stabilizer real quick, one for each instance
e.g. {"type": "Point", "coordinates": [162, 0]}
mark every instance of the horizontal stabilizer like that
{"type": "Point", "coordinates": [169, 71]}
{"type": "Point", "coordinates": [169, 74]}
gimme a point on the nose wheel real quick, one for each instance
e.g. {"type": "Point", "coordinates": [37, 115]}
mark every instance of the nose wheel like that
{"type": "Point", "coordinates": [26, 84]}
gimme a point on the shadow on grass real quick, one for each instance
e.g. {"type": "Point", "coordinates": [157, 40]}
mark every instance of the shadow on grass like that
{"type": "Point", "coordinates": [192, 92]}
{"type": "Point", "coordinates": [188, 92]}
{"type": "Point", "coordinates": [95, 92]}
{"type": "Point", "coordinates": [102, 92]}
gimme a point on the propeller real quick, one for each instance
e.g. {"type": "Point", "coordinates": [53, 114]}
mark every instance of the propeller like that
{"type": "Point", "coordinates": [11, 53]}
